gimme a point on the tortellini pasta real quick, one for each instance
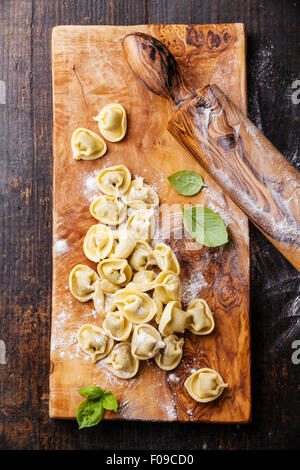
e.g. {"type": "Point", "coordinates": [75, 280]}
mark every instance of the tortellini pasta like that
{"type": "Point", "coordinates": [117, 326]}
{"type": "Point", "coordinates": [108, 210]}
{"type": "Point", "coordinates": [173, 319]}
{"type": "Point", "coordinates": [142, 256]}
{"type": "Point", "coordinates": [114, 180]}
{"type": "Point", "coordinates": [112, 122]}
{"type": "Point", "coordinates": [141, 195]}
{"type": "Point", "coordinates": [116, 271]}
{"type": "Point", "coordinates": [146, 342]}
{"type": "Point", "coordinates": [139, 224]}
{"type": "Point", "coordinates": [98, 242]}
{"type": "Point", "coordinates": [135, 305]}
{"type": "Point", "coordinates": [200, 319]}
{"type": "Point", "coordinates": [86, 145]}
{"type": "Point", "coordinates": [124, 245]}
{"type": "Point", "coordinates": [159, 307]}
{"type": "Point", "coordinates": [99, 299]}
{"type": "Point", "coordinates": [82, 282]}
{"type": "Point", "coordinates": [167, 287]}
{"type": "Point", "coordinates": [94, 342]}
{"type": "Point", "coordinates": [197, 318]}
{"type": "Point", "coordinates": [169, 357]}
{"type": "Point", "coordinates": [103, 297]}
{"type": "Point", "coordinates": [121, 362]}
{"type": "Point", "coordinates": [143, 280]}
{"type": "Point", "coordinates": [166, 259]}
{"type": "Point", "coordinates": [108, 287]}
{"type": "Point", "coordinates": [134, 285]}
{"type": "Point", "coordinates": [205, 385]}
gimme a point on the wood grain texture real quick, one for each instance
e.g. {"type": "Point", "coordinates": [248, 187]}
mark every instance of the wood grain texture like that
{"type": "Point", "coordinates": [25, 236]}
{"type": "Point", "coordinates": [89, 72]}
{"type": "Point", "coordinates": [255, 175]}
{"type": "Point", "coordinates": [243, 162]}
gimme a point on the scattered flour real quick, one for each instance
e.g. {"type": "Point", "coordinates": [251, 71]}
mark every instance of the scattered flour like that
{"type": "Point", "coordinates": [61, 246]}
{"type": "Point", "coordinates": [90, 188]}
{"type": "Point", "coordinates": [190, 287]}
{"type": "Point", "coordinates": [156, 183]}
{"type": "Point", "coordinates": [173, 378]}
{"type": "Point", "coordinates": [225, 214]}
{"type": "Point", "coordinates": [126, 409]}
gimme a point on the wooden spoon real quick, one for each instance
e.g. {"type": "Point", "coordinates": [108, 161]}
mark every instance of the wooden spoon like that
{"type": "Point", "coordinates": [237, 155]}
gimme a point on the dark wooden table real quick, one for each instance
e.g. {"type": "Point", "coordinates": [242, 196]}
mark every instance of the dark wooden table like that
{"type": "Point", "coordinates": [25, 236]}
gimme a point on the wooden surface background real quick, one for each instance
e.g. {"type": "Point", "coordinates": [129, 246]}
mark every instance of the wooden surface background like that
{"type": "Point", "coordinates": [25, 236]}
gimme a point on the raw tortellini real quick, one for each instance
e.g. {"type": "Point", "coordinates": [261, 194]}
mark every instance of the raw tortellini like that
{"type": "Point", "coordinates": [141, 195]}
{"type": "Point", "coordinates": [98, 242]}
{"type": "Point", "coordinates": [173, 319]}
{"type": "Point", "coordinates": [116, 271]}
{"type": "Point", "coordinates": [117, 326]}
{"type": "Point", "coordinates": [135, 305]}
{"type": "Point", "coordinates": [114, 180]}
{"type": "Point", "coordinates": [197, 318]}
{"type": "Point", "coordinates": [108, 210]}
{"type": "Point", "coordinates": [200, 320]}
{"type": "Point", "coordinates": [121, 362]}
{"type": "Point", "coordinates": [165, 258]}
{"type": "Point", "coordinates": [112, 122]}
{"type": "Point", "coordinates": [136, 284]}
{"type": "Point", "coordinates": [143, 281]}
{"type": "Point", "coordinates": [94, 342]}
{"type": "Point", "coordinates": [86, 145]}
{"type": "Point", "coordinates": [139, 224]}
{"type": "Point", "coordinates": [205, 385]}
{"type": "Point", "coordinates": [123, 245]}
{"type": "Point", "coordinates": [167, 287]}
{"type": "Point", "coordinates": [159, 307]}
{"type": "Point", "coordinates": [142, 256]}
{"type": "Point", "coordinates": [103, 297]}
{"type": "Point", "coordinates": [82, 282]}
{"type": "Point", "coordinates": [146, 342]}
{"type": "Point", "coordinates": [169, 357]}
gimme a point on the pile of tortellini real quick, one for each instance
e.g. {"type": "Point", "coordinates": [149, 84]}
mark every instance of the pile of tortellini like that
{"type": "Point", "coordinates": [136, 288]}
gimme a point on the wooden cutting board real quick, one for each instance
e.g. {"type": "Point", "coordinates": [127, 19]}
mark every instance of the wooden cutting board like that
{"type": "Point", "coordinates": [88, 73]}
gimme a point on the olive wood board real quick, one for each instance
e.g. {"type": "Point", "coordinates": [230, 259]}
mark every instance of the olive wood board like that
{"type": "Point", "coordinates": [89, 72]}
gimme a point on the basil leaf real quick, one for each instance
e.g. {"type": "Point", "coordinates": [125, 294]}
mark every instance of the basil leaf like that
{"type": "Point", "coordinates": [186, 182]}
{"type": "Point", "coordinates": [92, 392]}
{"type": "Point", "coordinates": [89, 413]}
{"type": "Point", "coordinates": [204, 225]}
{"type": "Point", "coordinates": [109, 401]}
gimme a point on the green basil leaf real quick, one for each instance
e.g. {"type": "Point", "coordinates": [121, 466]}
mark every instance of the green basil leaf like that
{"type": "Point", "coordinates": [186, 182]}
{"type": "Point", "coordinates": [109, 401]}
{"type": "Point", "coordinates": [204, 225]}
{"type": "Point", "coordinates": [89, 413]}
{"type": "Point", "coordinates": [92, 392]}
